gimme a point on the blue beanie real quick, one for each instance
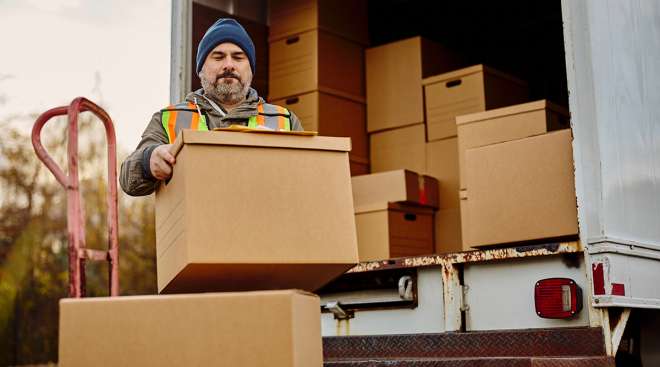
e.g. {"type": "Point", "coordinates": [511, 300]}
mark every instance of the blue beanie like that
{"type": "Point", "coordinates": [225, 30]}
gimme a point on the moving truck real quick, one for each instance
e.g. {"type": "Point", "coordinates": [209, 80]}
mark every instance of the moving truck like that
{"type": "Point", "coordinates": [602, 60]}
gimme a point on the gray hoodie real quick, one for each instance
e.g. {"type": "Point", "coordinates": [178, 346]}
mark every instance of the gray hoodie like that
{"type": "Point", "coordinates": [135, 177]}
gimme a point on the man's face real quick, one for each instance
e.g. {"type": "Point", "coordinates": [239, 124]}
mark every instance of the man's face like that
{"type": "Point", "coordinates": [226, 74]}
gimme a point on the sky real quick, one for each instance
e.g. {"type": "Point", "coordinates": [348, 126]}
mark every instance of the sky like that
{"type": "Point", "coordinates": [114, 52]}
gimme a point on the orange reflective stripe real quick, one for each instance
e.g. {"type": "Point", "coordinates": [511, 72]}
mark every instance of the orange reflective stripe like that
{"type": "Point", "coordinates": [261, 121]}
{"type": "Point", "coordinates": [281, 122]}
{"type": "Point", "coordinates": [171, 124]}
{"type": "Point", "coordinates": [194, 124]}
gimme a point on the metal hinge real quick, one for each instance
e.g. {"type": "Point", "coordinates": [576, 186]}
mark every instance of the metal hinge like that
{"type": "Point", "coordinates": [464, 290]}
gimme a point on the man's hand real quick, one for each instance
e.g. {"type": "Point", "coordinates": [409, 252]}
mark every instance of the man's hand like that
{"type": "Point", "coordinates": [161, 162]}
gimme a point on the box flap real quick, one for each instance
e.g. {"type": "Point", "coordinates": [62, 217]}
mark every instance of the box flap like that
{"type": "Point", "coordinates": [510, 110]}
{"type": "Point", "coordinates": [371, 207]}
{"type": "Point", "coordinates": [269, 140]}
{"type": "Point", "coordinates": [453, 74]}
{"type": "Point", "coordinates": [456, 74]}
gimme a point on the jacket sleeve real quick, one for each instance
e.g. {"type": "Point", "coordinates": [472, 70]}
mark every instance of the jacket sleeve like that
{"type": "Point", "coordinates": [135, 177]}
{"type": "Point", "coordinates": [296, 124]}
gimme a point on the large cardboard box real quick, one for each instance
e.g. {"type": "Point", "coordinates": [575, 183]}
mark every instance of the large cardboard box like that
{"type": "Point", "coordinates": [395, 186]}
{"type": "Point", "coordinates": [521, 190]}
{"type": "Point", "coordinates": [332, 116]}
{"type": "Point", "coordinates": [247, 211]}
{"type": "Point", "coordinates": [504, 124]}
{"type": "Point", "coordinates": [442, 164]}
{"type": "Point", "coordinates": [316, 60]}
{"type": "Point", "coordinates": [289, 17]}
{"type": "Point", "coordinates": [402, 148]}
{"type": "Point", "coordinates": [273, 328]}
{"type": "Point", "coordinates": [474, 89]}
{"type": "Point", "coordinates": [393, 230]}
{"type": "Point", "coordinates": [394, 80]}
{"type": "Point", "coordinates": [448, 235]}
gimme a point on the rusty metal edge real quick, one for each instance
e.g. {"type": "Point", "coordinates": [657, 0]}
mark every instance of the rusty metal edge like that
{"type": "Point", "coordinates": [552, 248]}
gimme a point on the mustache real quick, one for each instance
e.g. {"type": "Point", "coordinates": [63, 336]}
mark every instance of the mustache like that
{"type": "Point", "coordinates": [228, 74]}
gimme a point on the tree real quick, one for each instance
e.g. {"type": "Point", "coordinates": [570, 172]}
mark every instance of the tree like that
{"type": "Point", "coordinates": [33, 238]}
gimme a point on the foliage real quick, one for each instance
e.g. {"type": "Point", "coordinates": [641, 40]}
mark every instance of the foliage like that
{"type": "Point", "coordinates": [33, 238]}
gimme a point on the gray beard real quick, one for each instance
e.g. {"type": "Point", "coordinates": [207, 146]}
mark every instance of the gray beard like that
{"type": "Point", "coordinates": [224, 93]}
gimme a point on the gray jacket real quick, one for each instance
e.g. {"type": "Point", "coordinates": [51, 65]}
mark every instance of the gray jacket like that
{"type": "Point", "coordinates": [135, 177]}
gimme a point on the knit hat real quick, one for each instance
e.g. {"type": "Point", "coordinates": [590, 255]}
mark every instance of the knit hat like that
{"type": "Point", "coordinates": [225, 30]}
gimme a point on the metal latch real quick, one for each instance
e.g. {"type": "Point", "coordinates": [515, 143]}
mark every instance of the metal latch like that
{"type": "Point", "coordinates": [406, 288]}
{"type": "Point", "coordinates": [338, 312]}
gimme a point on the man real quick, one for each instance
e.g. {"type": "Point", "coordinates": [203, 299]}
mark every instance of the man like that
{"type": "Point", "coordinates": [225, 64]}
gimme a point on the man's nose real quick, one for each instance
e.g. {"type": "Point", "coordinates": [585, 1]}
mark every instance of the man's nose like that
{"type": "Point", "coordinates": [228, 64]}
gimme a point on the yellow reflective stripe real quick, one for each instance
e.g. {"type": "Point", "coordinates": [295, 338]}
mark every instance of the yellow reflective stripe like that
{"type": "Point", "coordinates": [203, 126]}
{"type": "Point", "coordinates": [168, 119]}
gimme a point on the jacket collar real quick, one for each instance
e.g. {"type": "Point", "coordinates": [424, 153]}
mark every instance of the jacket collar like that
{"type": "Point", "coordinates": [244, 110]}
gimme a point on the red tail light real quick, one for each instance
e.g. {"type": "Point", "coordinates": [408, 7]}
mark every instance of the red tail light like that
{"type": "Point", "coordinates": [557, 298]}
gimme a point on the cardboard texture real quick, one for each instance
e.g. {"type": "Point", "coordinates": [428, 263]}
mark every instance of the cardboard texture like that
{"type": "Point", "coordinates": [521, 190]}
{"type": "Point", "coordinates": [473, 89]}
{"type": "Point", "coordinates": [402, 148]}
{"type": "Point", "coordinates": [332, 116]}
{"type": "Point", "coordinates": [462, 194]}
{"type": "Point", "coordinates": [395, 186]}
{"type": "Point", "coordinates": [316, 60]}
{"type": "Point", "coordinates": [442, 164]}
{"type": "Point", "coordinates": [273, 328]}
{"type": "Point", "coordinates": [448, 235]}
{"type": "Point", "coordinates": [388, 231]}
{"type": "Point", "coordinates": [504, 124]}
{"type": "Point", "coordinates": [289, 17]}
{"type": "Point", "coordinates": [394, 80]}
{"type": "Point", "coordinates": [246, 211]}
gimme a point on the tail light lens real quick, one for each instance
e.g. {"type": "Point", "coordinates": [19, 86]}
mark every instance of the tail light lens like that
{"type": "Point", "coordinates": [557, 298]}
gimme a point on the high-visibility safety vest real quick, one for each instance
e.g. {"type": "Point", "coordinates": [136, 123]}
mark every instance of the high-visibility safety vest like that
{"type": "Point", "coordinates": [187, 115]}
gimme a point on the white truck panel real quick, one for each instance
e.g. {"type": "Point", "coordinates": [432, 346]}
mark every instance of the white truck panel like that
{"type": "Point", "coordinates": [427, 317]}
{"type": "Point", "coordinates": [500, 295]}
{"type": "Point", "coordinates": [613, 69]}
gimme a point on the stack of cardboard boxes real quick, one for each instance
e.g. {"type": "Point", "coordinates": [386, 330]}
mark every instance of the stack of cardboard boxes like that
{"type": "Point", "coordinates": [316, 68]}
{"type": "Point", "coordinates": [394, 214]}
{"type": "Point", "coordinates": [415, 90]}
{"type": "Point", "coordinates": [448, 95]}
{"type": "Point", "coordinates": [516, 174]}
{"type": "Point", "coordinates": [264, 213]}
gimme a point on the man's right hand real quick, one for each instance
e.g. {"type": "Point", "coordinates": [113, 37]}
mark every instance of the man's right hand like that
{"type": "Point", "coordinates": [161, 162]}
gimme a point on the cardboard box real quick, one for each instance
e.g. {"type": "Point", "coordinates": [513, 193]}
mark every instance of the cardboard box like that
{"type": "Point", "coordinates": [247, 211]}
{"type": "Point", "coordinates": [391, 230]}
{"type": "Point", "coordinates": [521, 190]}
{"type": "Point", "coordinates": [394, 80]}
{"type": "Point", "coordinates": [332, 116]}
{"type": "Point", "coordinates": [289, 17]}
{"type": "Point", "coordinates": [462, 194]}
{"type": "Point", "coordinates": [274, 328]}
{"type": "Point", "coordinates": [474, 89]}
{"type": "Point", "coordinates": [448, 235]}
{"type": "Point", "coordinates": [442, 164]}
{"type": "Point", "coordinates": [504, 124]}
{"type": "Point", "coordinates": [402, 148]}
{"type": "Point", "coordinates": [395, 186]}
{"type": "Point", "coordinates": [316, 60]}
